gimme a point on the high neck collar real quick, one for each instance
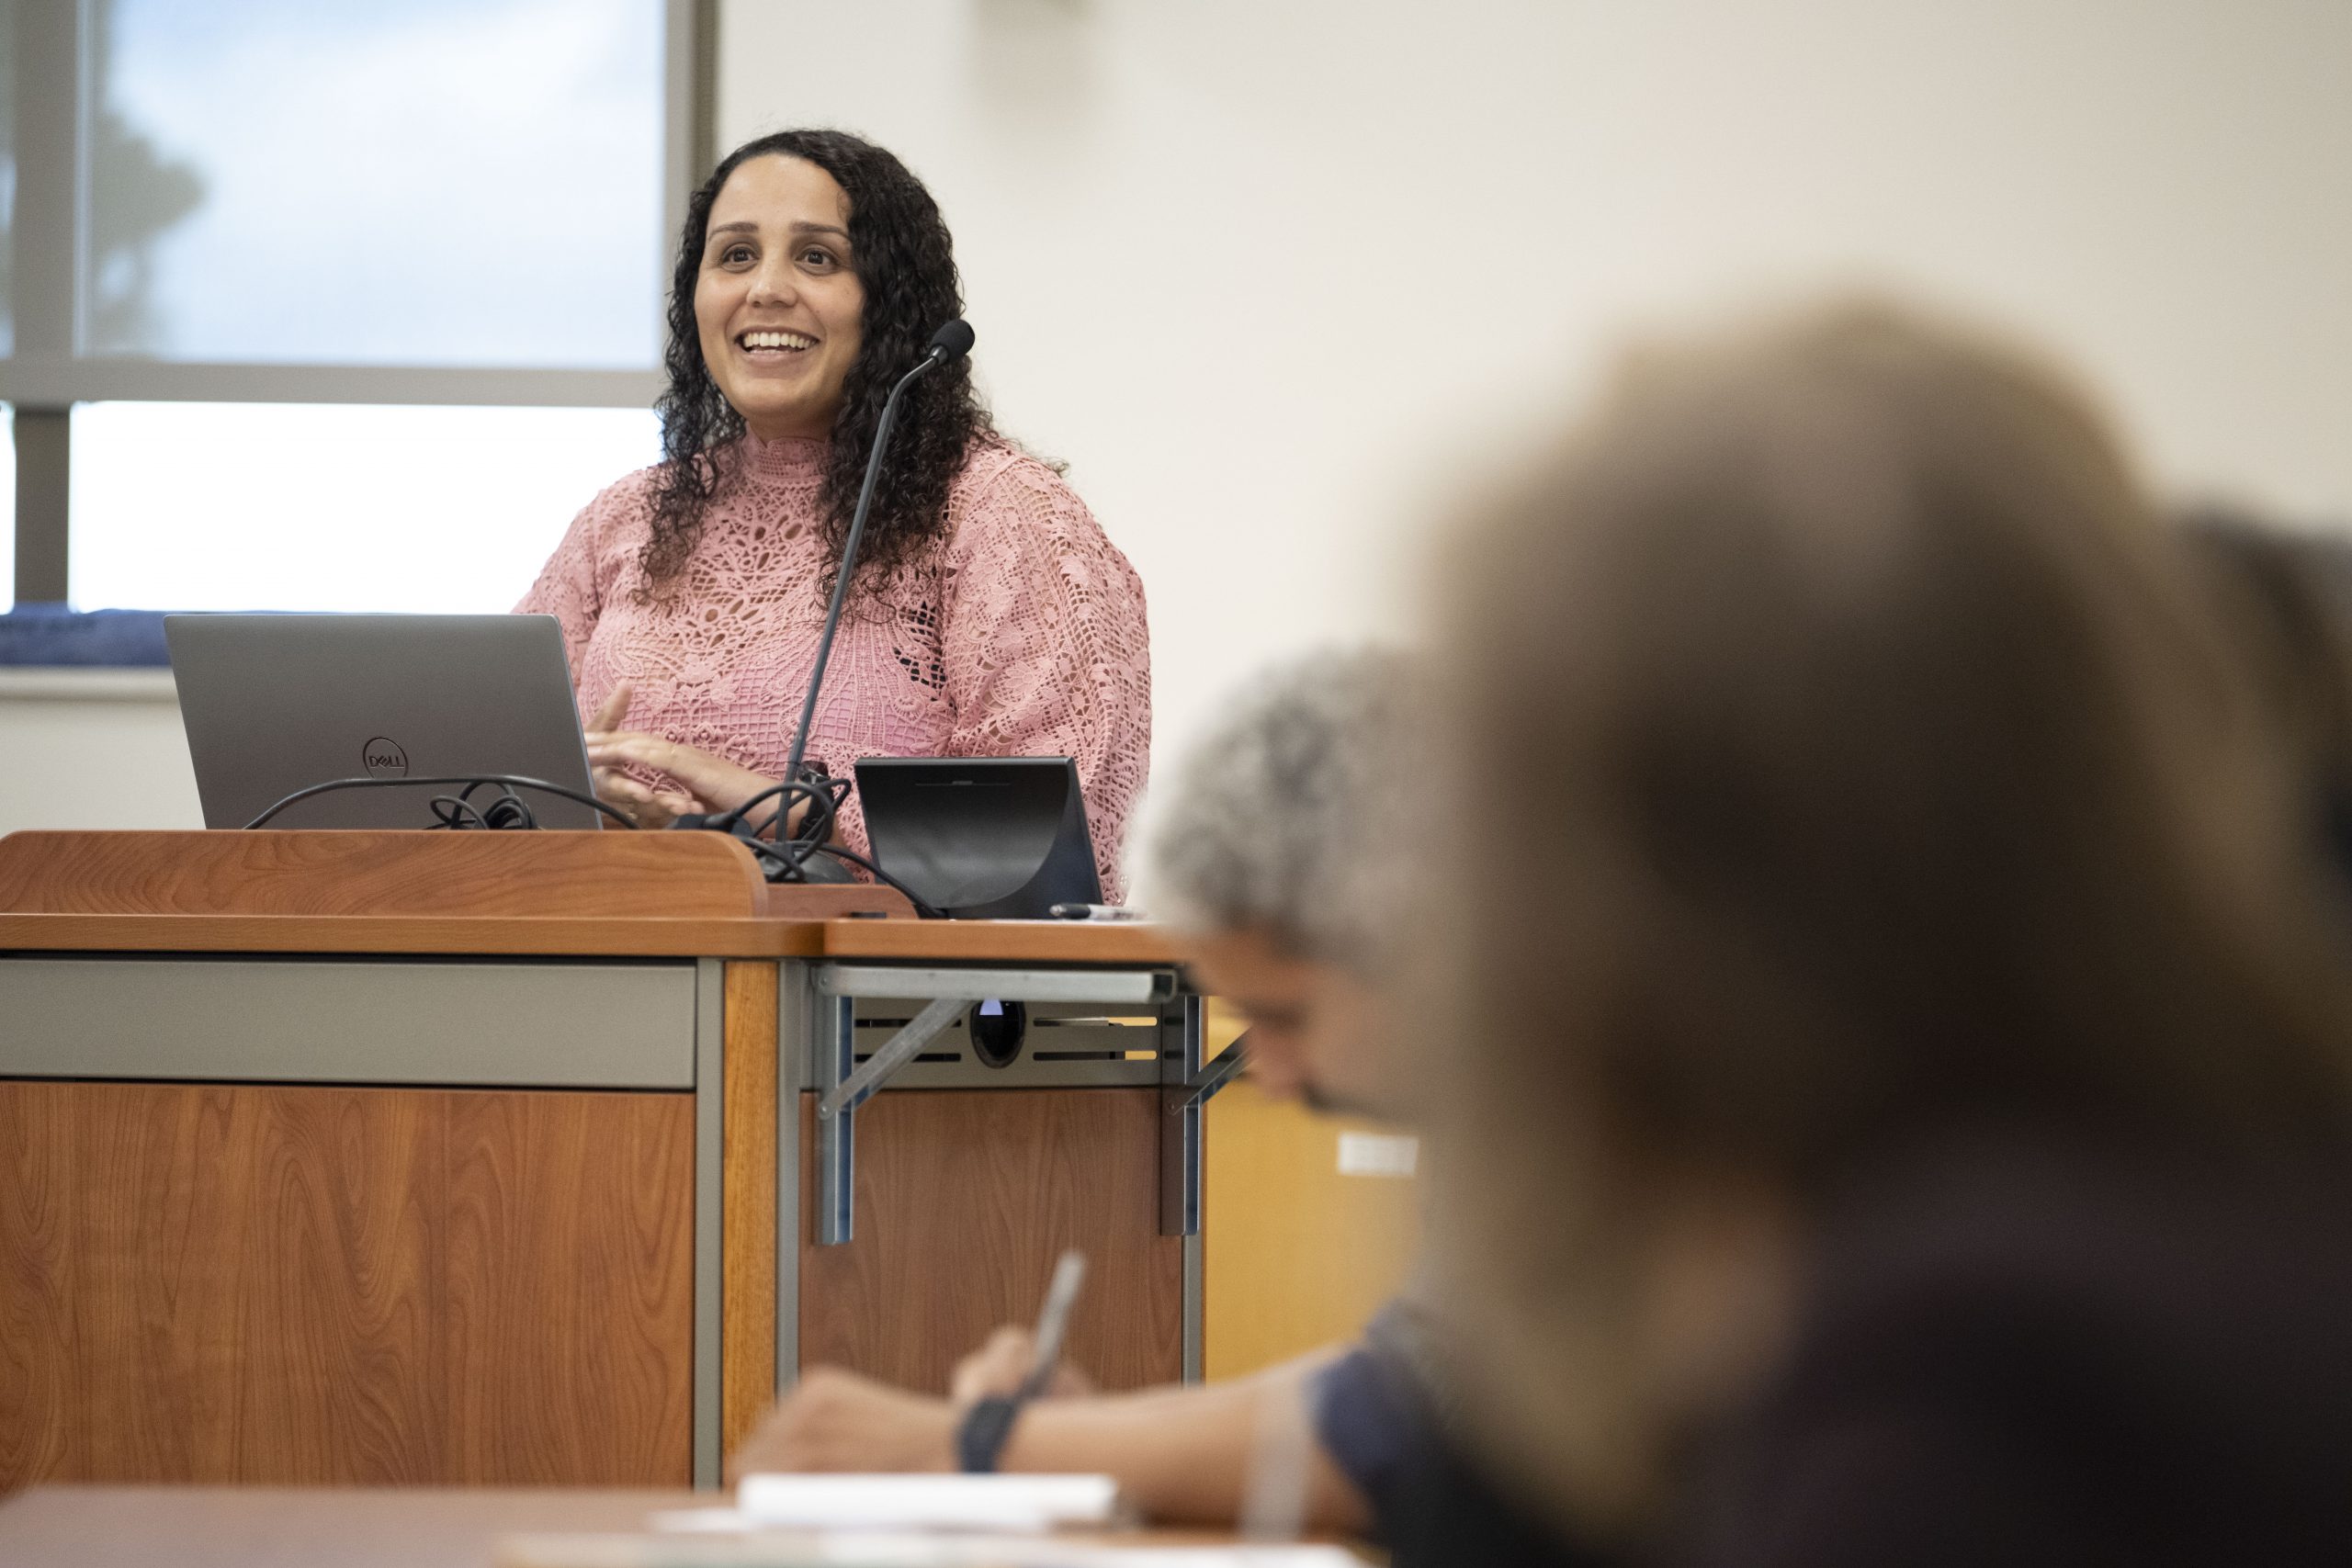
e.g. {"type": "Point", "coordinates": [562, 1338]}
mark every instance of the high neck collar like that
{"type": "Point", "coordinates": [791, 458]}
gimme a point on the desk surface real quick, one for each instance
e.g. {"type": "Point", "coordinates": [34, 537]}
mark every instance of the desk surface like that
{"type": "Point", "coordinates": [1001, 941]}
{"type": "Point", "coordinates": [259, 1527]}
{"type": "Point", "coordinates": [968, 942]}
{"type": "Point", "coordinates": [264, 1527]}
{"type": "Point", "coordinates": [547, 894]}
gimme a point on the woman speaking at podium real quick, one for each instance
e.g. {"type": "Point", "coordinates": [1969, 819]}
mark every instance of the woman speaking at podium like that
{"type": "Point", "coordinates": [988, 614]}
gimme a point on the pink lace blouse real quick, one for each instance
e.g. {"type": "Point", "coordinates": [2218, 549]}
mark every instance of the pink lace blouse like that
{"type": "Point", "coordinates": [1022, 636]}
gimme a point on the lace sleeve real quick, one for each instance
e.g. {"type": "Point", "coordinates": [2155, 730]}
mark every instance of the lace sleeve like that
{"type": "Point", "coordinates": [568, 587]}
{"type": "Point", "coordinates": [1047, 648]}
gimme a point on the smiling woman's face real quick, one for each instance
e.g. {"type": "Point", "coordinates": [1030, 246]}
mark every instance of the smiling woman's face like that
{"type": "Point", "coordinates": [778, 301]}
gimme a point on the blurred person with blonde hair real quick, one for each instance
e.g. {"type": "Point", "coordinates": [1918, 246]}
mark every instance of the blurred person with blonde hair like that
{"type": "Point", "coordinates": [1902, 1104]}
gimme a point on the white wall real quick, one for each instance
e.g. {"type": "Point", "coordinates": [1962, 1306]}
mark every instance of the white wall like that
{"type": "Point", "coordinates": [1264, 270]}
{"type": "Point", "coordinates": [93, 749]}
{"type": "Point", "coordinates": [1269, 273]}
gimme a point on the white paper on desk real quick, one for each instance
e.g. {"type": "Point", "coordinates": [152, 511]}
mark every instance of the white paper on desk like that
{"type": "Point", "coordinates": [1203, 1557]}
{"type": "Point", "coordinates": [1018, 1503]}
{"type": "Point", "coordinates": [749, 1545]}
{"type": "Point", "coordinates": [877, 1551]}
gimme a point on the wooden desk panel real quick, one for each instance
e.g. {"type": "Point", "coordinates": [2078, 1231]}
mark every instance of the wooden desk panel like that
{"type": "Point", "coordinates": [324, 1284]}
{"type": "Point", "coordinates": [596, 936]}
{"type": "Point", "coordinates": [524, 936]}
{"type": "Point", "coordinates": [267, 1284]}
{"type": "Point", "coordinates": [568, 1316]}
{"type": "Point", "coordinates": [325, 873]}
{"type": "Point", "coordinates": [964, 1199]}
{"type": "Point", "coordinates": [1298, 1255]}
{"type": "Point", "coordinates": [748, 1181]}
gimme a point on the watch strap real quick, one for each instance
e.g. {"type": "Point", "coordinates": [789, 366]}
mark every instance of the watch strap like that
{"type": "Point", "coordinates": [980, 1437]}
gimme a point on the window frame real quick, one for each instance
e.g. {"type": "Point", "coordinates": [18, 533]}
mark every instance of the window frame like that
{"type": "Point", "coordinates": [46, 376]}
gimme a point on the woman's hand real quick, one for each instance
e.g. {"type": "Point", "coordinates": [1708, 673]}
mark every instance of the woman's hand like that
{"type": "Point", "coordinates": [646, 807]}
{"type": "Point", "coordinates": [705, 783]}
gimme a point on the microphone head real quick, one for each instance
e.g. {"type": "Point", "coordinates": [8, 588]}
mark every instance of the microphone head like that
{"type": "Point", "coordinates": [952, 342]}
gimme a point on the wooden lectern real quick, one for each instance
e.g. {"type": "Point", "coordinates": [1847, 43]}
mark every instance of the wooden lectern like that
{"type": "Point", "coordinates": [531, 1159]}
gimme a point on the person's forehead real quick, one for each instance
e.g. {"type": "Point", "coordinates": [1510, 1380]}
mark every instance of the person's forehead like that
{"type": "Point", "coordinates": [780, 192]}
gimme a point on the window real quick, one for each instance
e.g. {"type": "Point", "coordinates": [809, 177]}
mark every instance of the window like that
{"type": "Point", "coordinates": [9, 215]}
{"type": "Point", "coordinates": [440, 182]}
{"type": "Point", "coordinates": [334, 307]}
{"type": "Point", "coordinates": [8, 504]}
{"type": "Point", "coordinates": [328, 506]}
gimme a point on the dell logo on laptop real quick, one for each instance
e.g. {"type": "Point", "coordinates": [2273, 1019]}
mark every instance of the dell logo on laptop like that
{"type": "Point", "coordinates": [383, 757]}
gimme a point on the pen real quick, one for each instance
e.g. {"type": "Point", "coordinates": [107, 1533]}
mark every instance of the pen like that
{"type": "Point", "coordinates": [1096, 912]}
{"type": "Point", "coordinates": [1053, 1322]}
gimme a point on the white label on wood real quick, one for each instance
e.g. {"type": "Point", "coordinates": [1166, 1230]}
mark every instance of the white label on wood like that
{"type": "Point", "coordinates": [1378, 1154]}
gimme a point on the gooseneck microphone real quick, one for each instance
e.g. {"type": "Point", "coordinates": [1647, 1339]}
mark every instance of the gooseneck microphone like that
{"type": "Point", "coordinates": [948, 345]}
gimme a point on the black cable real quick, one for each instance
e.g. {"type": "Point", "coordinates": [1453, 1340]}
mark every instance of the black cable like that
{"type": "Point", "coordinates": [823, 797]}
{"type": "Point", "coordinates": [813, 782]}
{"type": "Point", "coordinates": [509, 811]}
{"type": "Point", "coordinates": [454, 811]}
{"type": "Point", "coordinates": [508, 782]}
{"type": "Point", "coordinates": [928, 911]}
{"type": "Point", "coordinates": [770, 852]}
{"type": "Point", "coordinates": [782, 861]}
{"type": "Point", "coordinates": [814, 836]}
{"type": "Point", "coordinates": [725, 821]}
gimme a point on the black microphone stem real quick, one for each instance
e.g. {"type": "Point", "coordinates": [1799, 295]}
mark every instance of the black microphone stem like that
{"type": "Point", "coordinates": [848, 569]}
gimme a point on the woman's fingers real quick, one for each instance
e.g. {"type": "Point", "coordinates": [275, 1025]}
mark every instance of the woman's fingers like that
{"type": "Point", "coordinates": [712, 779]}
{"type": "Point", "coordinates": [651, 808]}
{"type": "Point", "coordinates": [619, 748]}
{"type": "Point", "coordinates": [715, 779]}
{"type": "Point", "coordinates": [706, 777]}
{"type": "Point", "coordinates": [619, 789]}
{"type": "Point", "coordinates": [646, 808]}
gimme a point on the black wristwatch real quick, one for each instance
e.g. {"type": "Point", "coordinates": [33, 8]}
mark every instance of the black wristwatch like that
{"type": "Point", "coordinates": [980, 1437]}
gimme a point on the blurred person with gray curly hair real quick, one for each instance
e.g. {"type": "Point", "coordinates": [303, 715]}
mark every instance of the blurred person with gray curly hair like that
{"type": "Point", "coordinates": [1279, 851]}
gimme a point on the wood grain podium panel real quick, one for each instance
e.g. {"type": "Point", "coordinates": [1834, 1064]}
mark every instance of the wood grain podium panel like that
{"type": "Point", "coordinates": [964, 1199]}
{"type": "Point", "coordinates": [322, 873]}
{"type": "Point", "coordinates": [265, 1285]}
{"type": "Point", "coordinates": [568, 1317]}
{"type": "Point", "coordinates": [614, 936]}
{"type": "Point", "coordinates": [746, 1179]}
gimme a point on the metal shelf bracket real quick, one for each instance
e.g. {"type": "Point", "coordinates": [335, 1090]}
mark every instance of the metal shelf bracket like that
{"type": "Point", "coordinates": [843, 1083]}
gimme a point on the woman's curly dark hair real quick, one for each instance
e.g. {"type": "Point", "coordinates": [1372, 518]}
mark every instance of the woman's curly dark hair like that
{"type": "Point", "coordinates": [906, 262]}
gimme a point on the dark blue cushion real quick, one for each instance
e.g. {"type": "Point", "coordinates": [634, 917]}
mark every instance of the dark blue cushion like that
{"type": "Point", "coordinates": [57, 633]}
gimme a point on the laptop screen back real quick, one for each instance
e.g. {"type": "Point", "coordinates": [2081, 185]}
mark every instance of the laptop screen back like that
{"type": "Point", "coordinates": [273, 704]}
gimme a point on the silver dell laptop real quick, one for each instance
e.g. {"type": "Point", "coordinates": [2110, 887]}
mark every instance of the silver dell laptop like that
{"type": "Point", "coordinates": [274, 703]}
